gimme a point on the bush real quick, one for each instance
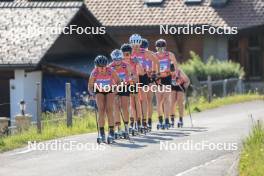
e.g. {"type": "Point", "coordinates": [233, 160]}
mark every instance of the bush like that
{"type": "Point", "coordinates": [214, 67]}
{"type": "Point", "coordinates": [252, 156]}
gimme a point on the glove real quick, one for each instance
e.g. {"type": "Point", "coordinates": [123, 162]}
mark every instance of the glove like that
{"type": "Point", "coordinates": [172, 68]}
{"type": "Point", "coordinates": [153, 76]}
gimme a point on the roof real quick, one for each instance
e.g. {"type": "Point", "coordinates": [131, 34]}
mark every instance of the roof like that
{"type": "Point", "coordinates": [124, 13]}
{"type": "Point", "coordinates": [21, 46]}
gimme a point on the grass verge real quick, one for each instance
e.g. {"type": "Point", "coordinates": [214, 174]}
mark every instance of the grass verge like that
{"type": "Point", "coordinates": [252, 156]}
{"type": "Point", "coordinates": [87, 123]}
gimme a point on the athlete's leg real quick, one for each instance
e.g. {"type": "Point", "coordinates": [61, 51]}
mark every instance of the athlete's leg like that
{"type": "Point", "coordinates": [109, 111]}
{"type": "Point", "coordinates": [150, 108]}
{"type": "Point", "coordinates": [124, 106]}
{"type": "Point", "coordinates": [133, 110]}
{"type": "Point", "coordinates": [160, 100]}
{"type": "Point", "coordinates": [138, 109]}
{"type": "Point", "coordinates": [167, 106]}
{"type": "Point", "coordinates": [180, 103]}
{"type": "Point", "coordinates": [101, 104]}
{"type": "Point", "coordinates": [116, 112]}
{"type": "Point", "coordinates": [143, 106]}
{"type": "Point", "coordinates": [173, 105]}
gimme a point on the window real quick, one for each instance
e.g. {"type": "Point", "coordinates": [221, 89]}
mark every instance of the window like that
{"type": "Point", "coordinates": [218, 3]}
{"type": "Point", "coordinates": [153, 2]}
{"type": "Point", "coordinates": [192, 1]}
{"type": "Point", "coordinates": [254, 56]}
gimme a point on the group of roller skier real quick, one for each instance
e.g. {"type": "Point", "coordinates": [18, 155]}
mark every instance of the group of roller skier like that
{"type": "Point", "coordinates": [134, 64]}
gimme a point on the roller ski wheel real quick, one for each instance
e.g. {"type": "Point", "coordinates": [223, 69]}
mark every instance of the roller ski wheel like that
{"type": "Point", "coordinates": [163, 126]}
{"type": "Point", "coordinates": [125, 135]}
{"type": "Point", "coordinates": [99, 140]}
{"type": "Point", "coordinates": [159, 126]}
{"type": "Point", "coordinates": [133, 132]}
{"type": "Point", "coordinates": [117, 135]}
{"type": "Point", "coordinates": [180, 124]}
{"type": "Point", "coordinates": [149, 128]}
{"type": "Point", "coordinates": [166, 126]}
{"type": "Point", "coordinates": [110, 140]}
{"type": "Point", "coordinates": [142, 130]}
{"type": "Point", "coordinates": [172, 125]}
{"type": "Point", "coordinates": [130, 130]}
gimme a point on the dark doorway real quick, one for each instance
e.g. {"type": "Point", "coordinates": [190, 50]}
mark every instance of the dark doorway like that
{"type": "Point", "coordinates": [5, 76]}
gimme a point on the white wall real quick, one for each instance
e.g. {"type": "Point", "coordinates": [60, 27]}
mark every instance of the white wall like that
{"type": "Point", "coordinates": [216, 46]}
{"type": "Point", "coordinates": [23, 87]}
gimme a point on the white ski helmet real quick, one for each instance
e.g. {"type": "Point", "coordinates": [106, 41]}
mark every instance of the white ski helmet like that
{"type": "Point", "coordinates": [135, 39]}
{"type": "Point", "coordinates": [117, 55]}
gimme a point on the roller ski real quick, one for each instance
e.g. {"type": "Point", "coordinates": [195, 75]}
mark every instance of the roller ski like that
{"type": "Point", "coordinates": [180, 123]}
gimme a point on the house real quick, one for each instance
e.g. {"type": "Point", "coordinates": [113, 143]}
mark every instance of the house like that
{"type": "Point", "coordinates": [125, 17]}
{"type": "Point", "coordinates": [31, 50]}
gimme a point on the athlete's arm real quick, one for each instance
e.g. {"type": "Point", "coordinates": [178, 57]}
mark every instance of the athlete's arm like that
{"type": "Point", "coordinates": [115, 77]}
{"type": "Point", "coordinates": [173, 59]}
{"type": "Point", "coordinates": [150, 55]}
{"type": "Point", "coordinates": [186, 79]}
{"type": "Point", "coordinates": [91, 84]}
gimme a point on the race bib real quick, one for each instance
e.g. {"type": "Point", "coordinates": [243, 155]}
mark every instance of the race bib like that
{"type": "Point", "coordinates": [164, 65]}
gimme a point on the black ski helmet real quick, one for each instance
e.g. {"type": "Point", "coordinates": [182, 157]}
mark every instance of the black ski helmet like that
{"type": "Point", "coordinates": [161, 43]}
{"type": "Point", "coordinates": [100, 61]}
{"type": "Point", "coordinates": [126, 48]}
{"type": "Point", "coordinates": [144, 44]}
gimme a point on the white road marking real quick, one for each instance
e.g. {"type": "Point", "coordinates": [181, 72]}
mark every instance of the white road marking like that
{"type": "Point", "coordinates": [200, 166]}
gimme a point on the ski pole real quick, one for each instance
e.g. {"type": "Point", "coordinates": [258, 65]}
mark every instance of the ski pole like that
{"type": "Point", "coordinates": [188, 104]}
{"type": "Point", "coordinates": [96, 116]}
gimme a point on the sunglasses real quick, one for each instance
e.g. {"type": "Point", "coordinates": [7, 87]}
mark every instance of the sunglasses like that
{"type": "Point", "coordinates": [126, 54]}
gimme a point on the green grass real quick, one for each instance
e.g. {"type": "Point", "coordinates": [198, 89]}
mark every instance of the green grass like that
{"type": "Point", "coordinates": [252, 157]}
{"type": "Point", "coordinates": [86, 124]}
{"type": "Point", "coordinates": [202, 104]}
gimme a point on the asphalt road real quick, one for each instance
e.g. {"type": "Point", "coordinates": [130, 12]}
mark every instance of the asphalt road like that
{"type": "Point", "coordinates": [224, 127]}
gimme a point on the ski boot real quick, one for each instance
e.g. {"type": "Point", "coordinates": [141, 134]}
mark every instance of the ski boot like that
{"type": "Point", "coordinates": [99, 140]}
{"type": "Point", "coordinates": [149, 125]}
{"type": "Point", "coordinates": [135, 130]}
{"type": "Point", "coordinates": [167, 124]}
{"type": "Point", "coordinates": [125, 133]}
{"type": "Point", "coordinates": [117, 134]}
{"type": "Point", "coordinates": [131, 125]}
{"type": "Point", "coordinates": [110, 139]}
{"type": "Point", "coordinates": [160, 125]}
{"type": "Point", "coordinates": [172, 121]}
{"type": "Point", "coordinates": [111, 135]}
{"type": "Point", "coordinates": [180, 123]}
{"type": "Point", "coordinates": [101, 136]}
